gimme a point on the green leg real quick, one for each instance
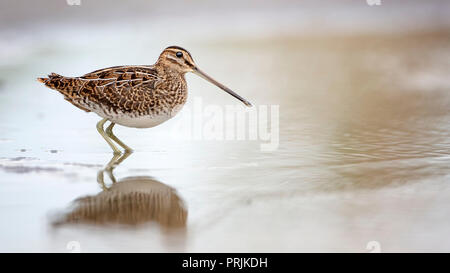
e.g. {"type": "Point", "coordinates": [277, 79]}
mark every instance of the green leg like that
{"type": "Point", "coordinates": [105, 136]}
{"type": "Point", "coordinates": [108, 169]}
{"type": "Point", "coordinates": [109, 132]}
{"type": "Point", "coordinates": [114, 162]}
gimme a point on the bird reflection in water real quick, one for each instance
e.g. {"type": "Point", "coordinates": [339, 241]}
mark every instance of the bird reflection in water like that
{"type": "Point", "coordinates": [130, 201]}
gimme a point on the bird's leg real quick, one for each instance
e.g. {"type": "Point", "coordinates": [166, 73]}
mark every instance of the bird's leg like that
{"type": "Point", "coordinates": [110, 133]}
{"type": "Point", "coordinates": [108, 168]}
{"type": "Point", "coordinates": [105, 136]}
{"type": "Point", "coordinates": [101, 181]}
{"type": "Point", "coordinates": [124, 156]}
{"type": "Point", "coordinates": [111, 165]}
{"type": "Point", "coordinates": [117, 160]}
{"type": "Point", "coordinates": [114, 162]}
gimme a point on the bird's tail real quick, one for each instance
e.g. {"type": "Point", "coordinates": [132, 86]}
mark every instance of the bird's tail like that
{"type": "Point", "coordinates": [52, 81]}
{"type": "Point", "coordinates": [67, 86]}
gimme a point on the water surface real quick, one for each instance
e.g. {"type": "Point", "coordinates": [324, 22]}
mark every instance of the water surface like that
{"type": "Point", "coordinates": [363, 153]}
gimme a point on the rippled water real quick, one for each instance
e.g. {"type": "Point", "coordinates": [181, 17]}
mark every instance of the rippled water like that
{"type": "Point", "coordinates": [363, 154]}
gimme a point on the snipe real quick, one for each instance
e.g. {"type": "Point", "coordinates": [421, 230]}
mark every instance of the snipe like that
{"type": "Point", "coordinates": [140, 96]}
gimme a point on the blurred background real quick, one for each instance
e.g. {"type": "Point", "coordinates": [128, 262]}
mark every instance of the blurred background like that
{"type": "Point", "coordinates": [364, 112]}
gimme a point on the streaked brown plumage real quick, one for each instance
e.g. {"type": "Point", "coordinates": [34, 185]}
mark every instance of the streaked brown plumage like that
{"type": "Point", "coordinates": [140, 96]}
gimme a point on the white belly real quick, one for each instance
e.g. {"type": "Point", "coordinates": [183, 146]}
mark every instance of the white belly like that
{"type": "Point", "coordinates": [140, 122]}
{"type": "Point", "coordinates": [136, 121]}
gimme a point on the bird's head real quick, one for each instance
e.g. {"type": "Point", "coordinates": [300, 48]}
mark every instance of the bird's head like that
{"type": "Point", "coordinates": [179, 59]}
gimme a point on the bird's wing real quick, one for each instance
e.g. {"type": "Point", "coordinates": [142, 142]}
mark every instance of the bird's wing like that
{"type": "Point", "coordinates": [119, 88]}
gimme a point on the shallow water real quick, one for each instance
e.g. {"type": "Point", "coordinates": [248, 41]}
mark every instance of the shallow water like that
{"type": "Point", "coordinates": [363, 152]}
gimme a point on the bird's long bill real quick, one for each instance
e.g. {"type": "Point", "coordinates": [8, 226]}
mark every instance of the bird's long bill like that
{"type": "Point", "coordinates": [221, 86]}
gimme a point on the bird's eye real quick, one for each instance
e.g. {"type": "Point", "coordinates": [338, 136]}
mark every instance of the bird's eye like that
{"type": "Point", "coordinates": [179, 54]}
